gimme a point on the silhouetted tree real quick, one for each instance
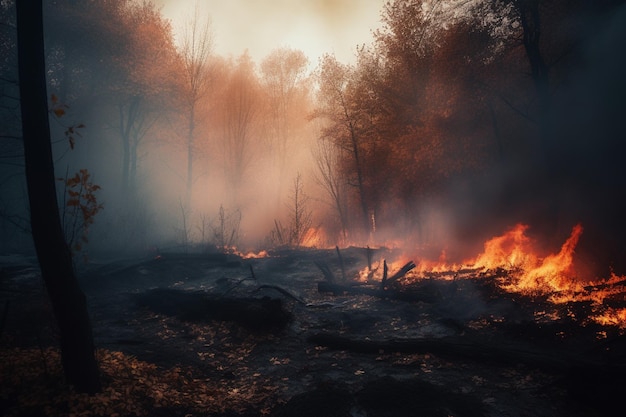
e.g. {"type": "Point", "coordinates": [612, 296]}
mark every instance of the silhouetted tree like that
{"type": "Point", "coordinates": [53, 253]}
{"type": "Point", "coordinates": [330, 177]}
{"type": "Point", "coordinates": [346, 124]}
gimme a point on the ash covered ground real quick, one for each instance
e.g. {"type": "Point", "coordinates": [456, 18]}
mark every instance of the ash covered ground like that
{"type": "Point", "coordinates": [213, 334]}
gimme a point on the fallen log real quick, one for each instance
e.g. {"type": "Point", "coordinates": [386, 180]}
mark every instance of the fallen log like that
{"type": "Point", "coordinates": [490, 352]}
{"type": "Point", "coordinates": [197, 306]}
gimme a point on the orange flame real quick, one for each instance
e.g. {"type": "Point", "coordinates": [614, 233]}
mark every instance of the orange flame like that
{"type": "Point", "coordinates": [253, 255]}
{"type": "Point", "coordinates": [554, 273]}
{"type": "Point", "coordinates": [527, 273]}
{"type": "Point", "coordinates": [511, 250]}
{"type": "Point", "coordinates": [312, 238]}
{"type": "Point", "coordinates": [612, 317]}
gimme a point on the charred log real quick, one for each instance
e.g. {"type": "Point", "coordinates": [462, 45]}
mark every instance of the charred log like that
{"type": "Point", "coordinates": [491, 352]}
{"type": "Point", "coordinates": [383, 282]}
{"type": "Point", "coordinates": [401, 273]}
{"type": "Point", "coordinates": [195, 306]}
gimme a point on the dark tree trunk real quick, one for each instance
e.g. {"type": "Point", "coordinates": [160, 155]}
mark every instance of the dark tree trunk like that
{"type": "Point", "coordinates": [53, 253]}
{"type": "Point", "coordinates": [360, 181]}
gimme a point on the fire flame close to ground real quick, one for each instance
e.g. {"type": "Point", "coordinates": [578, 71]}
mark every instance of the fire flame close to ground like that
{"type": "Point", "coordinates": [521, 270]}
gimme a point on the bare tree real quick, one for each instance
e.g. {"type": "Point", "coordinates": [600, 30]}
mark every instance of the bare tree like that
{"type": "Point", "coordinates": [226, 228]}
{"type": "Point", "coordinates": [196, 50]}
{"type": "Point", "coordinates": [330, 178]}
{"type": "Point", "coordinates": [346, 121]}
{"type": "Point", "coordinates": [301, 217]}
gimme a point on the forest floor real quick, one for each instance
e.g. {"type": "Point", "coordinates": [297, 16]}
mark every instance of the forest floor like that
{"type": "Point", "coordinates": [164, 349]}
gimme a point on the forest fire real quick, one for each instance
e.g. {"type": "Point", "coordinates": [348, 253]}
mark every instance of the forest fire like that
{"type": "Point", "coordinates": [513, 251]}
{"type": "Point", "coordinates": [518, 268]}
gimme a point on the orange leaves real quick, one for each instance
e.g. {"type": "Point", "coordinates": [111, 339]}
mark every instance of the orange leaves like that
{"type": "Point", "coordinates": [34, 381]}
{"type": "Point", "coordinates": [82, 205]}
{"type": "Point", "coordinates": [59, 110]}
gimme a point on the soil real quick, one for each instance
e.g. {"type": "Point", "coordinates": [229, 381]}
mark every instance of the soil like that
{"type": "Point", "coordinates": [260, 326]}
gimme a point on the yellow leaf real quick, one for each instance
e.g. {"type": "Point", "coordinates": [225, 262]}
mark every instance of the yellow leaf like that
{"type": "Point", "coordinates": [59, 112]}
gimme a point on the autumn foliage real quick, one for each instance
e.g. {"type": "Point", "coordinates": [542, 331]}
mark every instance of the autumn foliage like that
{"type": "Point", "coordinates": [81, 208]}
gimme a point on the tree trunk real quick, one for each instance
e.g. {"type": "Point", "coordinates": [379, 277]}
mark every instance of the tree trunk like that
{"type": "Point", "coordinates": [190, 144]}
{"type": "Point", "coordinates": [129, 148]}
{"type": "Point", "coordinates": [360, 182]}
{"type": "Point", "coordinates": [53, 253]}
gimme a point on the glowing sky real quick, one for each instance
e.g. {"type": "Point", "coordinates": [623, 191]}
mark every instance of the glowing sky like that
{"type": "Point", "coordinates": [313, 26]}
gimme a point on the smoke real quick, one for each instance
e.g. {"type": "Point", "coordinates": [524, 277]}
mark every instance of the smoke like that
{"type": "Point", "coordinates": [584, 181]}
{"type": "Point", "coordinates": [315, 27]}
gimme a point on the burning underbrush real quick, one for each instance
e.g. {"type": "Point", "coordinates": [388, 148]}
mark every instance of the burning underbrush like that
{"type": "Point", "coordinates": [512, 265]}
{"type": "Point", "coordinates": [367, 328]}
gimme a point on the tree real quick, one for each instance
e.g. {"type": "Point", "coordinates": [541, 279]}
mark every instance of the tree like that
{"type": "Point", "coordinates": [347, 124]}
{"type": "Point", "coordinates": [284, 77]}
{"type": "Point", "coordinates": [329, 176]}
{"type": "Point", "coordinates": [147, 81]}
{"type": "Point", "coordinates": [301, 217]}
{"type": "Point", "coordinates": [54, 256]}
{"type": "Point", "coordinates": [13, 198]}
{"type": "Point", "coordinates": [239, 112]}
{"type": "Point", "coordinates": [196, 49]}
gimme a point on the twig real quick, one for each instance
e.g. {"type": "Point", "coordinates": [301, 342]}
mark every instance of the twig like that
{"type": "Point", "coordinates": [236, 284]}
{"type": "Point", "coordinates": [280, 290]}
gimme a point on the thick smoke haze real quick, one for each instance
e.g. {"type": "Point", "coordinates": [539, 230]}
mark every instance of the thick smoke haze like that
{"type": "Point", "coordinates": [584, 182]}
{"type": "Point", "coordinates": [316, 27]}
{"type": "Point", "coordinates": [325, 123]}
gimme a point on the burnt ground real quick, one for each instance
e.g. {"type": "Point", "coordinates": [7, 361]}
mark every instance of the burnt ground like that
{"type": "Point", "coordinates": [256, 337]}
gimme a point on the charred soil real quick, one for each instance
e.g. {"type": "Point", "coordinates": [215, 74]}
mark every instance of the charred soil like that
{"type": "Point", "coordinates": [215, 334]}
